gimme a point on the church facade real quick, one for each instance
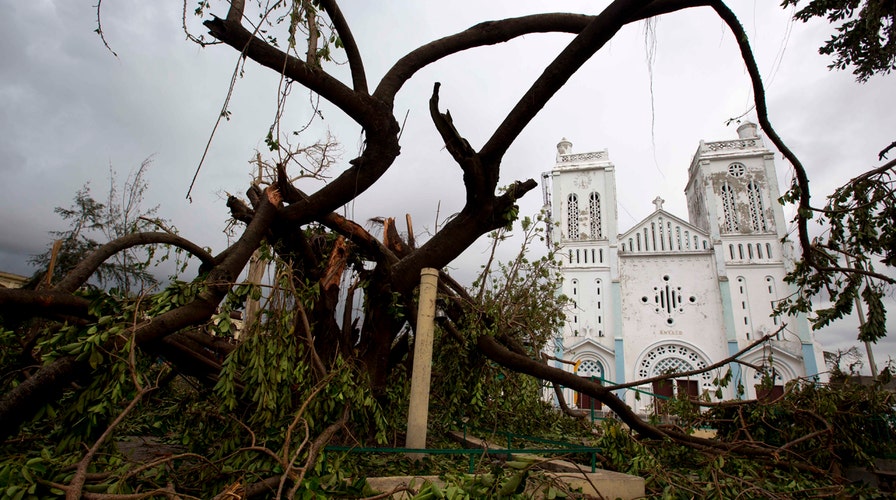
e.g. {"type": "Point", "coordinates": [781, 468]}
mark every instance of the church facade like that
{"type": "Point", "coordinates": [670, 295]}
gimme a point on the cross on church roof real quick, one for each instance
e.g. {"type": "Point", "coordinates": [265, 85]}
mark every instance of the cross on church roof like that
{"type": "Point", "coordinates": [658, 202]}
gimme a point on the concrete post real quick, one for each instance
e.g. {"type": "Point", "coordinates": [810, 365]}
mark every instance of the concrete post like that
{"type": "Point", "coordinates": [418, 413]}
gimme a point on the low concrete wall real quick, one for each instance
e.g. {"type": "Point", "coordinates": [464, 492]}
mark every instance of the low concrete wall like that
{"type": "Point", "coordinates": [600, 484]}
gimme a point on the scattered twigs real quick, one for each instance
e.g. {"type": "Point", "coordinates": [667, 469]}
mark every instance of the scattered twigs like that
{"type": "Point", "coordinates": [316, 446]}
{"type": "Point", "coordinates": [74, 490]}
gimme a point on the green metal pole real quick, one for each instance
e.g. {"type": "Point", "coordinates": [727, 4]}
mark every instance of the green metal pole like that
{"type": "Point", "coordinates": [592, 405]}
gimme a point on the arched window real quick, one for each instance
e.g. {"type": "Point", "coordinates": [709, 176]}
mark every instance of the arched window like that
{"type": "Point", "coordinates": [672, 358]}
{"type": "Point", "coordinates": [757, 212]}
{"type": "Point", "coordinates": [572, 214]}
{"type": "Point", "coordinates": [594, 215]}
{"type": "Point", "coordinates": [729, 209]}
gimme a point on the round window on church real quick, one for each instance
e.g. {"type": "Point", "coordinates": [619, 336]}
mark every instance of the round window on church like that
{"type": "Point", "coordinates": [737, 170]}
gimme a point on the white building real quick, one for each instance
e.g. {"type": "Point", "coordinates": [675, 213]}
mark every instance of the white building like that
{"type": "Point", "coordinates": [670, 295]}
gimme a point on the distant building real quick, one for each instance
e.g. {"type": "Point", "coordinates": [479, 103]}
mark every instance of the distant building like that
{"type": "Point", "coordinates": [10, 280]}
{"type": "Point", "coordinates": [670, 295]}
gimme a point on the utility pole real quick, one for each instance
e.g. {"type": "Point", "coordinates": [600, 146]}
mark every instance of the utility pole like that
{"type": "Point", "coordinates": [418, 412]}
{"type": "Point", "coordinates": [871, 364]}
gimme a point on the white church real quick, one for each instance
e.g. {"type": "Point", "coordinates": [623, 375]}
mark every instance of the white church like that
{"type": "Point", "coordinates": [673, 295]}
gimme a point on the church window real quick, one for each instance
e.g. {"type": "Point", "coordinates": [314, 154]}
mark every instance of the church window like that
{"type": "Point", "coordinates": [668, 300]}
{"type": "Point", "coordinates": [737, 170]}
{"type": "Point", "coordinates": [662, 236]}
{"type": "Point", "coordinates": [594, 213]}
{"type": "Point", "coordinates": [750, 251]}
{"type": "Point", "coordinates": [590, 368]}
{"type": "Point", "coordinates": [740, 251]}
{"type": "Point", "coordinates": [757, 212]}
{"type": "Point", "coordinates": [758, 250]}
{"type": "Point", "coordinates": [687, 240]}
{"type": "Point", "coordinates": [575, 287]}
{"type": "Point", "coordinates": [578, 256]}
{"type": "Point", "coordinates": [665, 359]}
{"type": "Point", "coordinates": [768, 250]}
{"type": "Point", "coordinates": [601, 251]}
{"type": "Point", "coordinates": [592, 255]}
{"type": "Point", "coordinates": [572, 214]}
{"type": "Point", "coordinates": [731, 250]}
{"type": "Point", "coordinates": [729, 209]}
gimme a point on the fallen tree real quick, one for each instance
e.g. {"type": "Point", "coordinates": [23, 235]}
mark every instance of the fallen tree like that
{"type": "Point", "coordinates": [309, 316]}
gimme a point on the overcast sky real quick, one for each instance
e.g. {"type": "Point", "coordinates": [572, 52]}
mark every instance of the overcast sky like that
{"type": "Point", "coordinates": [69, 110]}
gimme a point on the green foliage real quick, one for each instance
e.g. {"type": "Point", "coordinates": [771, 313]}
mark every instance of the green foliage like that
{"type": "Point", "coordinates": [519, 298]}
{"type": "Point", "coordinates": [266, 388]}
{"type": "Point", "coordinates": [673, 471]}
{"type": "Point", "coordinates": [865, 37]}
{"type": "Point", "coordinates": [860, 238]}
{"type": "Point", "coordinates": [516, 300]}
{"type": "Point", "coordinates": [848, 424]}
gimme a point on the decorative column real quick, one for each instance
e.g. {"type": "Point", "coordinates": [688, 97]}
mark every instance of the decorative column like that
{"type": "Point", "coordinates": [418, 413]}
